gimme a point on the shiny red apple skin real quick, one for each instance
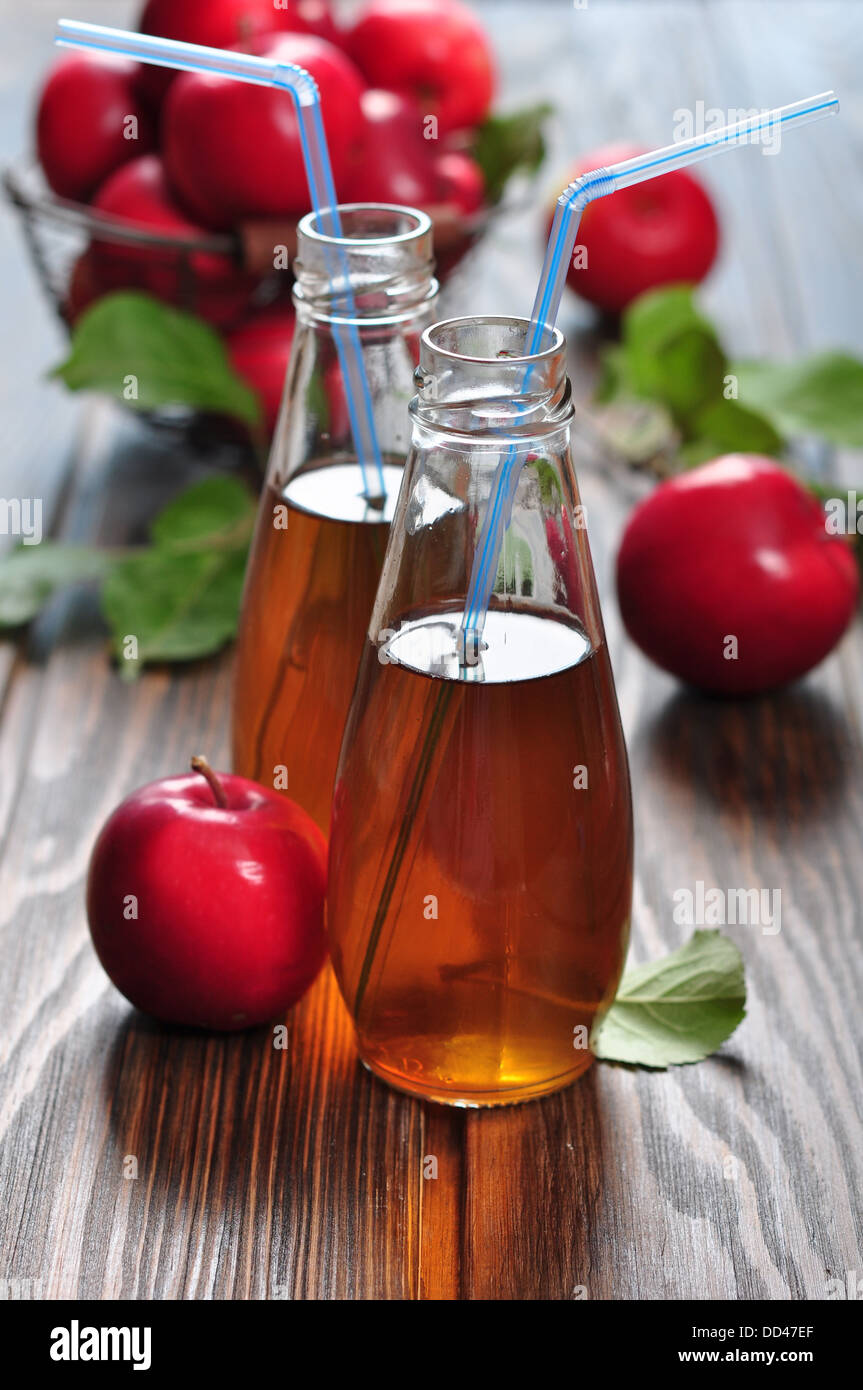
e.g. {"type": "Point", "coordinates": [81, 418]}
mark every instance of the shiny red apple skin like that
{"type": "Point", "coordinates": [233, 151]}
{"type": "Point", "coordinates": [213, 286]}
{"type": "Point", "coordinates": [661, 232]}
{"type": "Point", "coordinates": [313, 17]}
{"type": "Point", "coordinates": [213, 23]}
{"type": "Point", "coordinates": [434, 51]}
{"type": "Point", "coordinates": [89, 280]}
{"type": "Point", "coordinates": [736, 547]}
{"type": "Point", "coordinates": [230, 902]}
{"type": "Point", "coordinates": [459, 181]}
{"type": "Point", "coordinates": [81, 122]}
{"type": "Point", "coordinates": [260, 349]}
{"type": "Point", "coordinates": [395, 164]}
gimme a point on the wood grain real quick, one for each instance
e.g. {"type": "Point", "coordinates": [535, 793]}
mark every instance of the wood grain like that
{"type": "Point", "coordinates": [265, 1172]}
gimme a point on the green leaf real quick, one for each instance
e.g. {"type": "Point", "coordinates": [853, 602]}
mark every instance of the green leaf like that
{"type": "Point", "coordinates": [672, 353]}
{"type": "Point", "coordinates": [821, 395]}
{"type": "Point", "coordinates": [549, 482]}
{"type": "Point", "coordinates": [697, 451]}
{"type": "Point", "coordinates": [175, 358]}
{"type": "Point", "coordinates": [503, 144]}
{"type": "Point", "coordinates": [214, 513]}
{"type": "Point", "coordinates": [638, 430]}
{"type": "Point", "coordinates": [180, 598]}
{"type": "Point", "coordinates": [30, 575]}
{"type": "Point", "coordinates": [177, 607]}
{"type": "Point", "coordinates": [729, 427]}
{"type": "Point", "coordinates": [613, 376]}
{"type": "Point", "coordinates": [515, 568]}
{"type": "Point", "coordinates": [676, 1010]}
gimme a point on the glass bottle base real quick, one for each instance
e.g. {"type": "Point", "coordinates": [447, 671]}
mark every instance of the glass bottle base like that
{"type": "Point", "coordinates": [464, 1099]}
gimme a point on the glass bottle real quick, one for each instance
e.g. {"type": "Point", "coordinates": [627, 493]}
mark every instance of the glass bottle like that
{"type": "Point", "coordinates": [319, 543]}
{"type": "Point", "coordinates": [480, 879]}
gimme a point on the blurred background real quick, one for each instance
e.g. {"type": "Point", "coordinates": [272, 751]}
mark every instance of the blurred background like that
{"type": "Point", "coordinates": [787, 273]}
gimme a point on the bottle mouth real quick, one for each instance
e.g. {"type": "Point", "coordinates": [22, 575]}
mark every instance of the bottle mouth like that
{"type": "Point", "coordinates": [475, 378]}
{"type": "Point", "coordinates": [490, 340]}
{"type": "Point", "coordinates": [380, 270]}
{"type": "Point", "coordinates": [367, 224]}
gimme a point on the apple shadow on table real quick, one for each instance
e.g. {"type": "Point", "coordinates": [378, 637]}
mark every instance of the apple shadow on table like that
{"type": "Point", "coordinates": [784, 757]}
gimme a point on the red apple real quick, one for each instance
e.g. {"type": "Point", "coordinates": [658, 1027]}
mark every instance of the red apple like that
{"type": "Point", "coordinates": [85, 285]}
{"type": "Point", "coordinates": [213, 23]}
{"type": "Point", "coordinates": [396, 164]}
{"type": "Point", "coordinates": [90, 278]}
{"type": "Point", "coordinates": [83, 126]}
{"type": "Point", "coordinates": [312, 17]}
{"type": "Point", "coordinates": [434, 51]}
{"type": "Point", "coordinates": [661, 232]}
{"type": "Point", "coordinates": [205, 900]}
{"type": "Point", "coordinates": [260, 350]}
{"type": "Point", "coordinates": [210, 284]}
{"type": "Point", "coordinates": [736, 549]}
{"type": "Point", "coordinates": [459, 181]}
{"type": "Point", "coordinates": [233, 151]}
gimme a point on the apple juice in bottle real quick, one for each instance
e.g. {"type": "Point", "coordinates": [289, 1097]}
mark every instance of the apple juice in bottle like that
{"type": "Point", "coordinates": [480, 876]}
{"type": "Point", "coordinates": [319, 542]}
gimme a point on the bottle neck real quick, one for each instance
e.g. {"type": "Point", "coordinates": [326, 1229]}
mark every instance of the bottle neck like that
{"type": "Point", "coordinates": [474, 379]}
{"type": "Point", "coordinates": [379, 272]}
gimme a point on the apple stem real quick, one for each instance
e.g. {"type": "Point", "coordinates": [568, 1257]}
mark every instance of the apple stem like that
{"type": "Point", "coordinates": [201, 765]}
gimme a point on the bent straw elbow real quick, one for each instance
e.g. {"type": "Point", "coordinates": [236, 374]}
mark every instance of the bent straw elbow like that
{"type": "Point", "coordinates": [298, 82]}
{"type": "Point", "coordinates": [594, 184]}
{"type": "Point", "coordinates": [289, 77]}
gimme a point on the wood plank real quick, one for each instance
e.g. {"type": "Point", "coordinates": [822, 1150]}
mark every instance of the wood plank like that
{"type": "Point", "coordinates": [271, 1173]}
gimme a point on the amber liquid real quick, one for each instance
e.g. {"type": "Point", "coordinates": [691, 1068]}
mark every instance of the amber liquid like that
{"type": "Point", "coordinates": [479, 900]}
{"type": "Point", "coordinates": [306, 607]}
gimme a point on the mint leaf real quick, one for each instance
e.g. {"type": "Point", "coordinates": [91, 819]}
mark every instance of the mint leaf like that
{"type": "Point", "coordinates": [515, 567]}
{"type": "Point", "coordinates": [697, 451]}
{"type": "Point", "coordinates": [726, 426]}
{"type": "Point", "coordinates": [676, 1010]}
{"type": "Point", "coordinates": [549, 483]}
{"type": "Point", "coordinates": [217, 512]}
{"type": "Point", "coordinates": [32, 574]}
{"type": "Point", "coordinates": [174, 358]}
{"type": "Point", "coordinates": [180, 598]}
{"type": "Point", "coordinates": [671, 353]}
{"type": "Point", "coordinates": [639, 430]}
{"type": "Point", "coordinates": [613, 375]}
{"type": "Point", "coordinates": [177, 607]}
{"type": "Point", "coordinates": [503, 144]}
{"type": "Point", "coordinates": [821, 395]}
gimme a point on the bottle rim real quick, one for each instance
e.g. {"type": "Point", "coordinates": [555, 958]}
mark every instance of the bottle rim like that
{"type": "Point", "coordinates": [421, 226]}
{"type": "Point", "coordinates": [527, 359]}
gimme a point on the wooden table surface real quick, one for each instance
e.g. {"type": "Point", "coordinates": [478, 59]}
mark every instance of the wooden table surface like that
{"type": "Point", "coordinates": [267, 1174]}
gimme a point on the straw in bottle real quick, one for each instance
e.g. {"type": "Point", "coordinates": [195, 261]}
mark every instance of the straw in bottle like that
{"type": "Point", "coordinates": [264, 72]}
{"type": "Point", "coordinates": [570, 205]}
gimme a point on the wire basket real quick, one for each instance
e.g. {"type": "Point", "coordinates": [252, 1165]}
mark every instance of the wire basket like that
{"type": "Point", "coordinates": [59, 232]}
{"type": "Point", "coordinates": [61, 236]}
